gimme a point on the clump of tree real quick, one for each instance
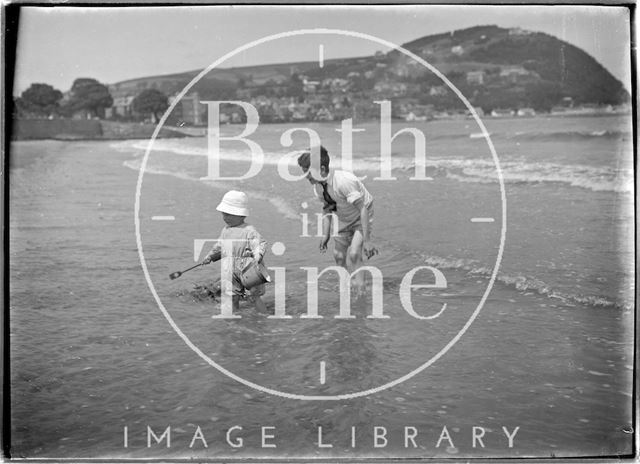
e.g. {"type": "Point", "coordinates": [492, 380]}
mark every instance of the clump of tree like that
{"type": "Point", "coordinates": [151, 102]}
{"type": "Point", "coordinates": [39, 100]}
{"type": "Point", "coordinates": [88, 95]}
{"type": "Point", "coordinates": [295, 87]}
{"type": "Point", "coordinates": [543, 95]}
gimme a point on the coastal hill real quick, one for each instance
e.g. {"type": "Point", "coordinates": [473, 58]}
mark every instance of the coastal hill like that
{"type": "Point", "coordinates": [549, 63]}
{"type": "Point", "coordinates": [495, 68]}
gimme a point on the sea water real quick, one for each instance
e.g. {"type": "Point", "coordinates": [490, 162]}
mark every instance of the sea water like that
{"type": "Point", "coordinates": [95, 360]}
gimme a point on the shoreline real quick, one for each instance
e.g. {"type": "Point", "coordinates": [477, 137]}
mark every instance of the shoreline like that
{"type": "Point", "coordinates": [97, 130]}
{"type": "Point", "coordinates": [86, 130]}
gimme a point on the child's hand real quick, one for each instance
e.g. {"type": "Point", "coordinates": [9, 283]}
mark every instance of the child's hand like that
{"type": "Point", "coordinates": [323, 244]}
{"type": "Point", "coordinates": [207, 260]}
{"type": "Point", "coordinates": [370, 250]}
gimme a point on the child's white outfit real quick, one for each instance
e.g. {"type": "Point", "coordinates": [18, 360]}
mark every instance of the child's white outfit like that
{"type": "Point", "coordinates": [246, 244]}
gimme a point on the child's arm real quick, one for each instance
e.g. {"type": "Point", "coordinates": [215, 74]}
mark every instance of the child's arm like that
{"type": "Point", "coordinates": [214, 254]}
{"type": "Point", "coordinates": [364, 219]}
{"type": "Point", "coordinates": [369, 248]}
{"type": "Point", "coordinates": [327, 220]}
{"type": "Point", "coordinates": [257, 245]}
{"type": "Point", "coordinates": [353, 191]}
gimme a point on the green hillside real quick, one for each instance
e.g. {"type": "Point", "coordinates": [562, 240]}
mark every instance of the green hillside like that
{"type": "Point", "coordinates": [495, 68]}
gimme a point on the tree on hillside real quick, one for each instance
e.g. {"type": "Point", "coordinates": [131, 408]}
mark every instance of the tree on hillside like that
{"type": "Point", "coordinates": [40, 100]}
{"type": "Point", "coordinates": [151, 101]}
{"type": "Point", "coordinates": [543, 95]}
{"type": "Point", "coordinates": [295, 87]}
{"type": "Point", "coordinates": [89, 95]}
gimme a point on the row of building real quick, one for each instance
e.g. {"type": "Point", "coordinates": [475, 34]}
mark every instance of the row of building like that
{"type": "Point", "coordinates": [188, 110]}
{"type": "Point", "coordinates": [512, 74]}
{"type": "Point", "coordinates": [321, 99]}
{"type": "Point", "coordinates": [333, 98]}
{"type": "Point", "coordinates": [328, 107]}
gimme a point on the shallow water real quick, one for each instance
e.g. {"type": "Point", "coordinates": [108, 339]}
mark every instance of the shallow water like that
{"type": "Point", "coordinates": [550, 351]}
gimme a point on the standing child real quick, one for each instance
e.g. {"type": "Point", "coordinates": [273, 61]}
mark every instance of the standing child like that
{"type": "Point", "coordinates": [246, 244]}
{"type": "Point", "coordinates": [345, 195]}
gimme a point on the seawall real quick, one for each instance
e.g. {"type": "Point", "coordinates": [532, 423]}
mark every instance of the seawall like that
{"type": "Point", "coordinates": [84, 129]}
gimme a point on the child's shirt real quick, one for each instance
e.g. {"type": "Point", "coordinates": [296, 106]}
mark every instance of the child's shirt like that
{"type": "Point", "coordinates": [246, 244]}
{"type": "Point", "coordinates": [345, 188]}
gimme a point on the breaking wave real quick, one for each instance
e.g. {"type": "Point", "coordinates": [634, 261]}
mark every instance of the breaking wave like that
{"type": "Point", "coordinates": [594, 178]}
{"type": "Point", "coordinates": [279, 203]}
{"type": "Point", "coordinates": [523, 283]}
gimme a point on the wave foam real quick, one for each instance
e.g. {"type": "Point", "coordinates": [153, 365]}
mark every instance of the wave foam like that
{"type": "Point", "coordinates": [522, 283]}
{"type": "Point", "coordinates": [594, 178]}
{"type": "Point", "coordinates": [279, 203]}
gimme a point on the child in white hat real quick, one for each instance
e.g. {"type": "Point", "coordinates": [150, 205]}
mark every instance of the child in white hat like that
{"type": "Point", "coordinates": [247, 247]}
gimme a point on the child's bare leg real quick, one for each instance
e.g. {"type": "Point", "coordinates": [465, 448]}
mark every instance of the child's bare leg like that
{"type": "Point", "coordinates": [355, 257]}
{"type": "Point", "coordinates": [259, 304]}
{"type": "Point", "coordinates": [340, 250]}
{"type": "Point", "coordinates": [256, 293]}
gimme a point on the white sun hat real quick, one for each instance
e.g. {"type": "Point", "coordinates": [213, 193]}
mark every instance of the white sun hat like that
{"type": "Point", "coordinates": [234, 202]}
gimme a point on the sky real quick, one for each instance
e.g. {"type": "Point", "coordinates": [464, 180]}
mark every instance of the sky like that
{"type": "Point", "coordinates": [56, 45]}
